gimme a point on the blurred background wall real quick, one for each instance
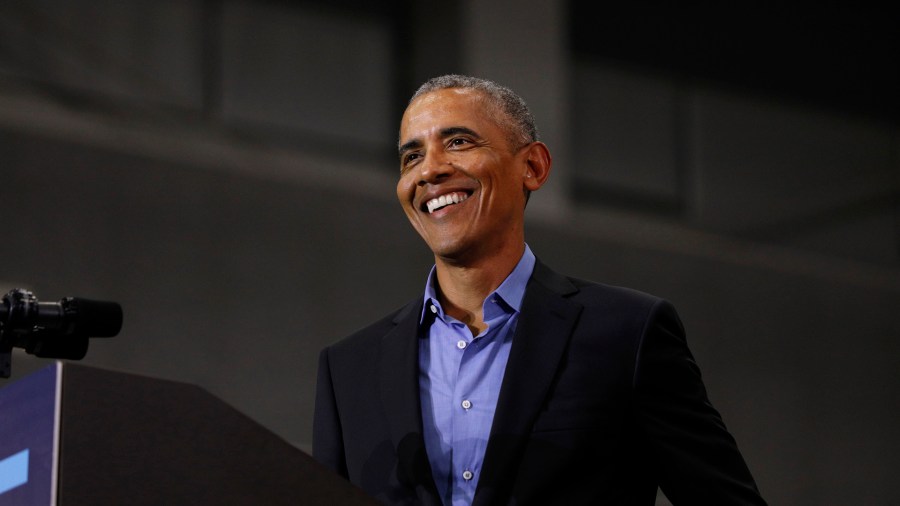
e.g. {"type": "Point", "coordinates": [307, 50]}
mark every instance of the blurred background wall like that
{"type": "Point", "coordinates": [225, 170]}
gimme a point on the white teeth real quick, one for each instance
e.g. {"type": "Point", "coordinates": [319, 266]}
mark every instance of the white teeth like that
{"type": "Point", "coordinates": [445, 200]}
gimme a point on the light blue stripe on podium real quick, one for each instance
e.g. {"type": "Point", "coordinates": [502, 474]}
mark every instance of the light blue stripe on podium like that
{"type": "Point", "coordinates": [13, 471]}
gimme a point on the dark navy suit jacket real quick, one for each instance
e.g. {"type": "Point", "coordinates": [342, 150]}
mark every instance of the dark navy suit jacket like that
{"type": "Point", "coordinates": [601, 403]}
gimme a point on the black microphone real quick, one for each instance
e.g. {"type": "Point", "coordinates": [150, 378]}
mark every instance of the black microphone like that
{"type": "Point", "coordinates": [53, 329]}
{"type": "Point", "coordinates": [78, 316]}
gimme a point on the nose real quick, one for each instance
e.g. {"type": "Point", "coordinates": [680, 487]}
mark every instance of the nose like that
{"type": "Point", "coordinates": [435, 168]}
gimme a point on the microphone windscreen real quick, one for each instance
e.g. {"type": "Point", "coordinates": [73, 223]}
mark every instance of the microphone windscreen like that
{"type": "Point", "coordinates": [96, 318]}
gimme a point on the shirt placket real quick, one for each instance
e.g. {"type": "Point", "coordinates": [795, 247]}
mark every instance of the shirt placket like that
{"type": "Point", "coordinates": [463, 466]}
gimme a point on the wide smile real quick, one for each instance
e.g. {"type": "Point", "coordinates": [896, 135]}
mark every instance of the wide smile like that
{"type": "Point", "coordinates": [445, 200]}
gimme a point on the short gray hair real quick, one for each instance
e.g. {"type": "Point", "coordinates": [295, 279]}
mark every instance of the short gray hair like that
{"type": "Point", "coordinates": [520, 122]}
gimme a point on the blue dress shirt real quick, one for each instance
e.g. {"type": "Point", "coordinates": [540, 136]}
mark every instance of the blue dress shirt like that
{"type": "Point", "coordinates": [459, 381]}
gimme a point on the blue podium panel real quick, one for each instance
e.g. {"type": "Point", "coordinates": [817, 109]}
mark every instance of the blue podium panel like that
{"type": "Point", "coordinates": [28, 438]}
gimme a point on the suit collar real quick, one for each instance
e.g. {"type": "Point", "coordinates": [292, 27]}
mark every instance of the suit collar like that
{"type": "Point", "coordinates": [545, 325]}
{"type": "Point", "coordinates": [398, 379]}
{"type": "Point", "coordinates": [398, 373]}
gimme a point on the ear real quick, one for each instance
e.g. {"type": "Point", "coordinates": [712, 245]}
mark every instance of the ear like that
{"type": "Point", "coordinates": [538, 162]}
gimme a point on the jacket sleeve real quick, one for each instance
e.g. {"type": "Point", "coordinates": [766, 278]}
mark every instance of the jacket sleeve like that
{"type": "Point", "coordinates": [697, 459]}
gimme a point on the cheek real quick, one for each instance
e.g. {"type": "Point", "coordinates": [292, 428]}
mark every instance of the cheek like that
{"type": "Point", "coordinates": [406, 190]}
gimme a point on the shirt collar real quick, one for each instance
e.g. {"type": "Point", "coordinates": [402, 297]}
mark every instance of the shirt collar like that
{"type": "Point", "coordinates": [511, 290]}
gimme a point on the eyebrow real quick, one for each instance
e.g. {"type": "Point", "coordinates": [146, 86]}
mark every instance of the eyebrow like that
{"type": "Point", "coordinates": [447, 132]}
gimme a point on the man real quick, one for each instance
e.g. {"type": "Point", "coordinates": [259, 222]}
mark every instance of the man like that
{"type": "Point", "coordinates": [507, 383]}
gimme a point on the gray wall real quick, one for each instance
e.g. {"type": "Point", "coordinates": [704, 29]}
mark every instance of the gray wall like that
{"type": "Point", "coordinates": [225, 172]}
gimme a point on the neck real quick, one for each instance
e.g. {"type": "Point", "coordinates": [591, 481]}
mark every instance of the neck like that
{"type": "Point", "coordinates": [463, 286]}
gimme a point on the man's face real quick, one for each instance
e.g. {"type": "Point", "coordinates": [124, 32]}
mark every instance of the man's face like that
{"type": "Point", "coordinates": [461, 183]}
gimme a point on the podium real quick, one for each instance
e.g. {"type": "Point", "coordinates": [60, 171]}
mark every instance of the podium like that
{"type": "Point", "coordinates": [75, 435]}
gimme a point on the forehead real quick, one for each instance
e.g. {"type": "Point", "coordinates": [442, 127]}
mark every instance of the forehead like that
{"type": "Point", "coordinates": [440, 109]}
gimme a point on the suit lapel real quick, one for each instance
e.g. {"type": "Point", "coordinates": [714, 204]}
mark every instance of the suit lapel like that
{"type": "Point", "coordinates": [398, 376]}
{"type": "Point", "coordinates": [542, 333]}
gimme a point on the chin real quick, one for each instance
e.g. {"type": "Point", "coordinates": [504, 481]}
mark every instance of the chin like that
{"type": "Point", "coordinates": [448, 250]}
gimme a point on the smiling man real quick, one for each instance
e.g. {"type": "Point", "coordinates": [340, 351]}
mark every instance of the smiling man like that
{"type": "Point", "coordinates": [506, 382]}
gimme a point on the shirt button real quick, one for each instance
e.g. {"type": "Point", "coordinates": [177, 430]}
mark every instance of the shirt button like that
{"type": "Point", "coordinates": [461, 344]}
{"type": "Point", "coordinates": [433, 309]}
{"type": "Point", "coordinates": [466, 404]}
{"type": "Point", "coordinates": [468, 475]}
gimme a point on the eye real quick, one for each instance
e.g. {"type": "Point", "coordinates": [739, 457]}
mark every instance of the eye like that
{"type": "Point", "coordinates": [407, 159]}
{"type": "Point", "coordinates": [457, 142]}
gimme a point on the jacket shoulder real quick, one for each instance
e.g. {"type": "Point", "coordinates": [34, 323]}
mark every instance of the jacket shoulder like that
{"type": "Point", "coordinates": [371, 334]}
{"type": "Point", "coordinates": [593, 294]}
